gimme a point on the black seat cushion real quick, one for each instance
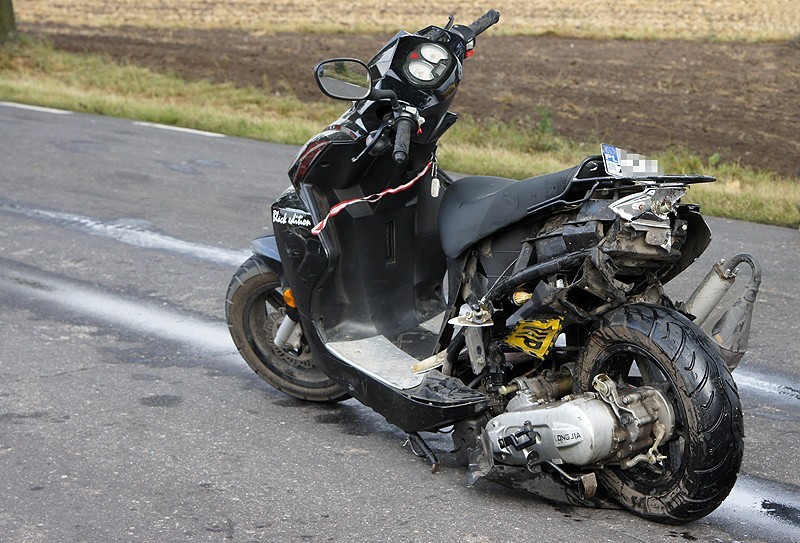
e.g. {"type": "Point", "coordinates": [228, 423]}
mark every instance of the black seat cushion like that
{"type": "Point", "coordinates": [475, 207]}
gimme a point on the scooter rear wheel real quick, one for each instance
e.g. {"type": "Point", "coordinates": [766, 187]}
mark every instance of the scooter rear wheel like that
{"type": "Point", "coordinates": [254, 310]}
{"type": "Point", "coordinates": [650, 345]}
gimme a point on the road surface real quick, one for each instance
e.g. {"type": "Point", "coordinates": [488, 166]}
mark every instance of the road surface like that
{"type": "Point", "coordinates": [126, 414]}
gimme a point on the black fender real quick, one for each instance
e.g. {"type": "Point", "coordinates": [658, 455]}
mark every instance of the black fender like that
{"type": "Point", "coordinates": [266, 249]}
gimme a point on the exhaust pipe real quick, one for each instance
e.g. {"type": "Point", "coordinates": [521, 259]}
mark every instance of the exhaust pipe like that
{"type": "Point", "coordinates": [732, 330]}
{"type": "Point", "coordinates": [709, 292]}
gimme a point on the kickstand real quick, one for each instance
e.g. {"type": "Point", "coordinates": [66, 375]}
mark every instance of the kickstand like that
{"type": "Point", "coordinates": [418, 444]}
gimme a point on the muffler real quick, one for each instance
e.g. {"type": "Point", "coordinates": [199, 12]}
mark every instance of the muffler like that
{"type": "Point", "coordinates": [732, 330]}
{"type": "Point", "coordinates": [709, 293]}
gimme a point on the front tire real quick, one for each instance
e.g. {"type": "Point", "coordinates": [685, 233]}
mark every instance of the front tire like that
{"type": "Point", "coordinates": [254, 310]}
{"type": "Point", "coordinates": [652, 345]}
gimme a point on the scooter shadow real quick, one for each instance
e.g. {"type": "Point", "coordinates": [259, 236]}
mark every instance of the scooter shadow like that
{"type": "Point", "coordinates": [355, 419]}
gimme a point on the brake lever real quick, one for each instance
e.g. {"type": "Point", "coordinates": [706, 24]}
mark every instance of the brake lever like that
{"type": "Point", "coordinates": [371, 143]}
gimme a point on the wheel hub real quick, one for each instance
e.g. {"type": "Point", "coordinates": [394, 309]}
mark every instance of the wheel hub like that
{"type": "Point", "coordinates": [298, 358]}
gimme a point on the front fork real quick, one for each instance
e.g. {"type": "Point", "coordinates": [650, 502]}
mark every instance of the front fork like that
{"type": "Point", "coordinates": [289, 334]}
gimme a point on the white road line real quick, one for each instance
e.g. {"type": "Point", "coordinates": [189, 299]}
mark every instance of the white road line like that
{"type": "Point", "coordinates": [747, 379]}
{"type": "Point", "coordinates": [114, 309]}
{"type": "Point", "coordinates": [131, 235]}
{"type": "Point", "coordinates": [40, 109]}
{"type": "Point", "coordinates": [760, 508]}
{"type": "Point", "coordinates": [180, 129]}
{"type": "Point", "coordinates": [787, 393]}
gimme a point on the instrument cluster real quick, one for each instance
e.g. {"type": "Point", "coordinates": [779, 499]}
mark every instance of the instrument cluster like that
{"type": "Point", "coordinates": [427, 64]}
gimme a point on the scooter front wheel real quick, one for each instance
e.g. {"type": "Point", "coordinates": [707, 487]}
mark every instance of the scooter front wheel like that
{"type": "Point", "coordinates": [254, 309]}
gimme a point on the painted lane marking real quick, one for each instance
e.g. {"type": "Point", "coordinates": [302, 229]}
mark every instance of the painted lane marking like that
{"type": "Point", "coordinates": [180, 129]}
{"type": "Point", "coordinates": [753, 381]}
{"type": "Point", "coordinates": [145, 318]}
{"type": "Point", "coordinates": [130, 234]}
{"type": "Point", "coordinates": [40, 109]}
{"type": "Point", "coordinates": [759, 508]}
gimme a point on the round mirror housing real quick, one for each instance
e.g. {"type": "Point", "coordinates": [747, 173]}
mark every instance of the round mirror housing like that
{"type": "Point", "coordinates": [344, 78]}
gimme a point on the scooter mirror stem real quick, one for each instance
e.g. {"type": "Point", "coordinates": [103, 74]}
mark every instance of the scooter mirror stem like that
{"type": "Point", "coordinates": [379, 94]}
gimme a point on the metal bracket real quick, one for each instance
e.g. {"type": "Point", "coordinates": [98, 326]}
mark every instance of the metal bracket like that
{"type": "Point", "coordinates": [476, 348]}
{"type": "Point", "coordinates": [586, 483]}
{"type": "Point", "coordinates": [652, 456]}
{"type": "Point", "coordinates": [416, 442]}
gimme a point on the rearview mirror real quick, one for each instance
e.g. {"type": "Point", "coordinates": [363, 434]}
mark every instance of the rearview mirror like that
{"type": "Point", "coordinates": [344, 78]}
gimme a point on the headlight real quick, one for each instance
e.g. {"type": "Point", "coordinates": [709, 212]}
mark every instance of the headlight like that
{"type": "Point", "coordinates": [420, 70]}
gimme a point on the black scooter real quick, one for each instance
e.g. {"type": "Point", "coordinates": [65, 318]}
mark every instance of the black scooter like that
{"type": "Point", "coordinates": [528, 315]}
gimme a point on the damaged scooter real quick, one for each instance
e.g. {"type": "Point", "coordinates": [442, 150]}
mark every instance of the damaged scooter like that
{"type": "Point", "coordinates": [528, 316]}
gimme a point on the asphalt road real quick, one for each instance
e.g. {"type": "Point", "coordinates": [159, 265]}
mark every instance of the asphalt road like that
{"type": "Point", "coordinates": [126, 414]}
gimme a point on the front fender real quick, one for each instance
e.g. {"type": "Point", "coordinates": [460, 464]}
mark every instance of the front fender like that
{"type": "Point", "coordinates": [266, 249]}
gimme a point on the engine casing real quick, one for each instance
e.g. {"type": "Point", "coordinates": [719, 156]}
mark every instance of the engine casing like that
{"type": "Point", "coordinates": [592, 428]}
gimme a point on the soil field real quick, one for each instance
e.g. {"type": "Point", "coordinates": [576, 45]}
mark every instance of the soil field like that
{"type": "Point", "coordinates": [741, 20]}
{"type": "Point", "coordinates": [738, 100]}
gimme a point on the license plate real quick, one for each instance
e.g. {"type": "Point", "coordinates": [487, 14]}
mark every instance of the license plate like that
{"type": "Point", "coordinates": [621, 163]}
{"type": "Point", "coordinates": [611, 160]}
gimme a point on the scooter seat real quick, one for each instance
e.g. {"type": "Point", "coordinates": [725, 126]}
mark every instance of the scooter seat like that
{"type": "Point", "coordinates": [475, 207]}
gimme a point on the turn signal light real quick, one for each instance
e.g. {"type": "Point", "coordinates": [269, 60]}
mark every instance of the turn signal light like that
{"type": "Point", "coordinates": [288, 297]}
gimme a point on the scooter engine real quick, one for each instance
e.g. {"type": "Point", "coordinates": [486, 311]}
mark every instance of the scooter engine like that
{"type": "Point", "coordinates": [607, 426]}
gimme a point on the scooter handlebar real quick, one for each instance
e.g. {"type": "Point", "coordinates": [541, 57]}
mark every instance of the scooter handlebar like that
{"type": "Point", "coordinates": [403, 128]}
{"type": "Point", "coordinates": [484, 21]}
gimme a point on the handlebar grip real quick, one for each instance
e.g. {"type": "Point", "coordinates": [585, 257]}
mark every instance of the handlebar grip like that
{"type": "Point", "coordinates": [403, 128]}
{"type": "Point", "coordinates": [485, 21]}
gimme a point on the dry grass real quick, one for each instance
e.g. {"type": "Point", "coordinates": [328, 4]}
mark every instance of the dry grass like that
{"type": "Point", "coordinates": [736, 20]}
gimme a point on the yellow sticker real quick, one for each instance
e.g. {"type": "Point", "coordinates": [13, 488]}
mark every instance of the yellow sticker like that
{"type": "Point", "coordinates": [535, 337]}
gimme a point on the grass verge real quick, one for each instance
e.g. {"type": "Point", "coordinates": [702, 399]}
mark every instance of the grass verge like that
{"type": "Point", "coordinates": [33, 73]}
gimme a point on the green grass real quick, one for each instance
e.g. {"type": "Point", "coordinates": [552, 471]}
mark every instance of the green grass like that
{"type": "Point", "coordinates": [33, 73]}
